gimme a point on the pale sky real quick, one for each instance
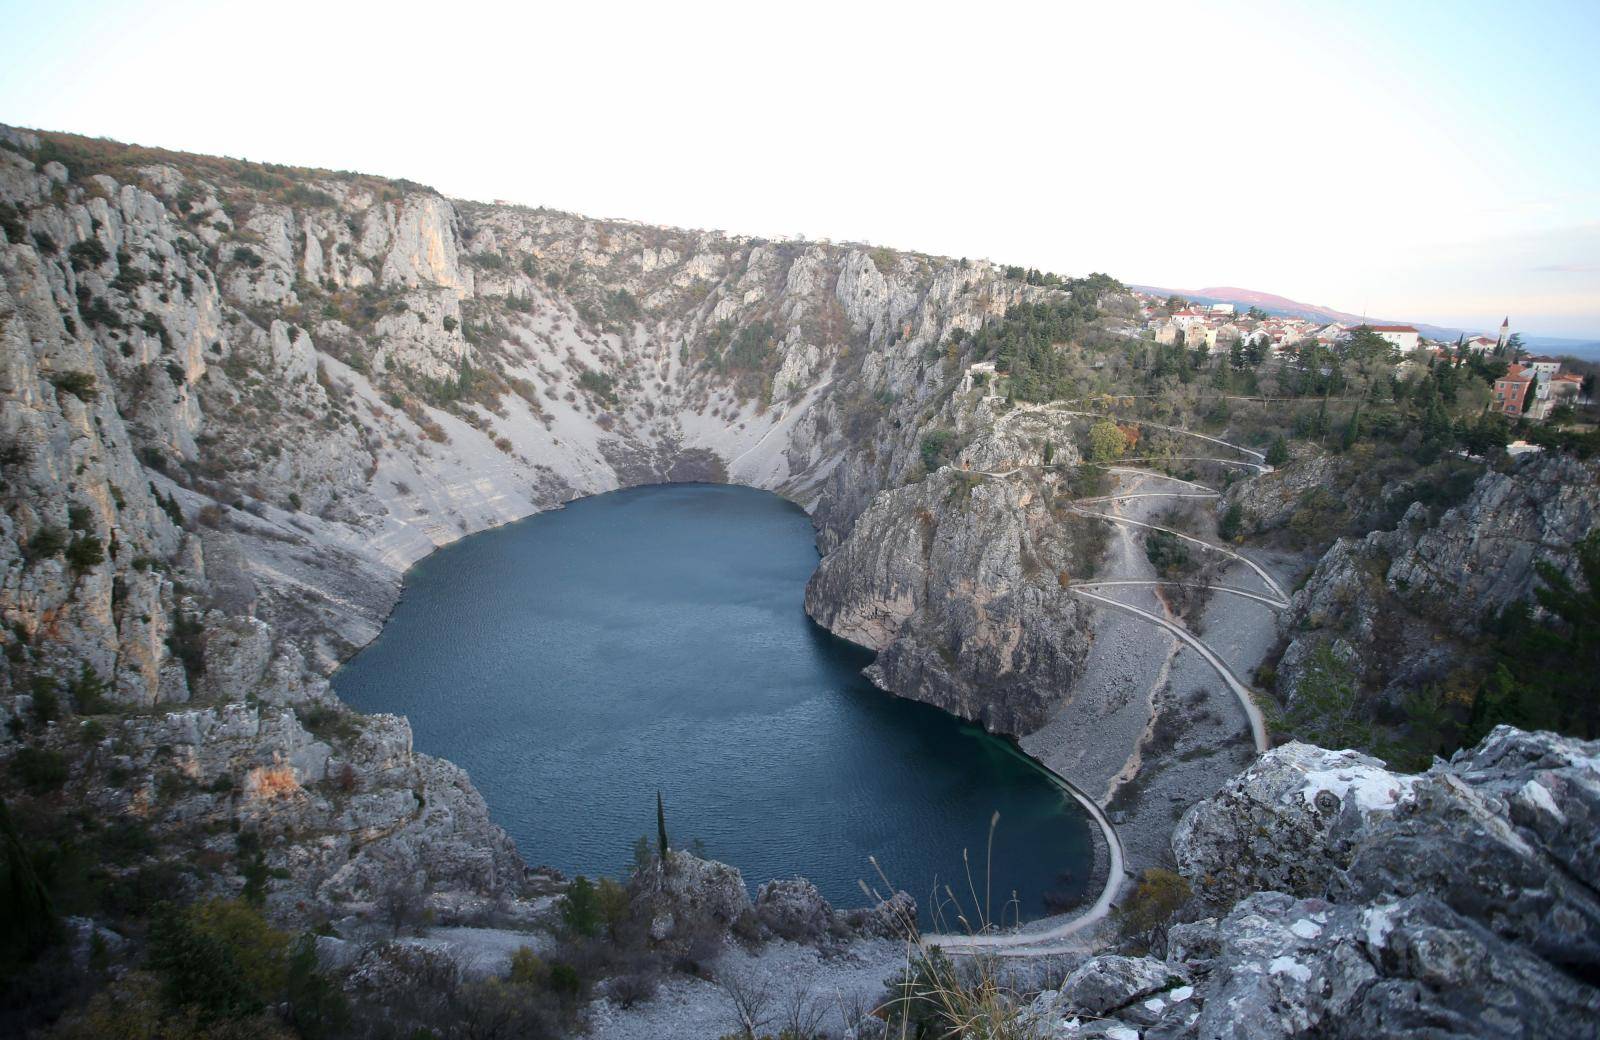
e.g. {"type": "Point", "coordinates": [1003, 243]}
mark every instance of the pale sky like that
{"type": "Point", "coordinates": [1419, 161]}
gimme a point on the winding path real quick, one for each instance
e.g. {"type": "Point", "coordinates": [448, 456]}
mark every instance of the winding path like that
{"type": "Point", "coordinates": [1054, 940]}
{"type": "Point", "coordinates": [1027, 944]}
{"type": "Point", "coordinates": [1258, 597]}
{"type": "Point", "coordinates": [1258, 725]}
{"type": "Point", "coordinates": [1147, 494]}
{"type": "Point", "coordinates": [1267, 579]}
{"type": "Point", "coordinates": [1030, 410]}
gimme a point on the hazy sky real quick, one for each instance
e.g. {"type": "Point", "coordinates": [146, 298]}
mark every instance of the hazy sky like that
{"type": "Point", "coordinates": [1432, 162]}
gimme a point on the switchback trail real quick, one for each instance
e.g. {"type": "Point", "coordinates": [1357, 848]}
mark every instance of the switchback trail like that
{"type": "Point", "coordinates": [1267, 579]}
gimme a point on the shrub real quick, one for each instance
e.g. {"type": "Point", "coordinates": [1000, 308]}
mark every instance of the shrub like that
{"type": "Point", "coordinates": [330, 724]}
{"type": "Point", "coordinates": [87, 254]}
{"type": "Point", "coordinates": [1157, 897]}
{"type": "Point", "coordinates": [88, 691]}
{"type": "Point", "coordinates": [219, 958]}
{"type": "Point", "coordinates": [78, 384]}
{"type": "Point", "coordinates": [580, 908]}
{"type": "Point", "coordinates": [86, 551]}
{"type": "Point", "coordinates": [39, 770]}
{"type": "Point", "coordinates": [599, 384]}
{"type": "Point", "coordinates": [1166, 553]}
{"type": "Point", "coordinates": [46, 542]}
{"type": "Point", "coordinates": [46, 701]}
{"type": "Point", "coordinates": [1231, 526]}
{"type": "Point", "coordinates": [935, 448]}
{"type": "Point", "coordinates": [246, 256]}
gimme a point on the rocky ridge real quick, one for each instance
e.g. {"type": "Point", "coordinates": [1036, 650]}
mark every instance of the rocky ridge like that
{"type": "Point", "coordinates": [1404, 606]}
{"type": "Point", "coordinates": [1343, 900]}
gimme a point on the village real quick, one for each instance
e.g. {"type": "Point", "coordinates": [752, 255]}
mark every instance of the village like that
{"type": "Point", "coordinates": [1533, 388]}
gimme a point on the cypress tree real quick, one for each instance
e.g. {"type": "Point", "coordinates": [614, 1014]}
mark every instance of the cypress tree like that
{"type": "Point", "coordinates": [661, 829]}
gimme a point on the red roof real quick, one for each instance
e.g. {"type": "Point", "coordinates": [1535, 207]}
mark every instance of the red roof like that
{"type": "Point", "coordinates": [1391, 328]}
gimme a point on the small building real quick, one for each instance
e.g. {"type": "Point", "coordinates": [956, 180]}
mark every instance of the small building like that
{"type": "Point", "coordinates": [1222, 308]}
{"type": "Point", "coordinates": [1513, 392]}
{"type": "Point", "coordinates": [983, 369]}
{"type": "Point", "coordinates": [1544, 368]}
{"type": "Point", "coordinates": [1402, 337]}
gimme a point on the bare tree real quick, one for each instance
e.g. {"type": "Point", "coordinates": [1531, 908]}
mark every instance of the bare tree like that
{"type": "Point", "coordinates": [802, 1014]}
{"type": "Point", "coordinates": [400, 902]}
{"type": "Point", "coordinates": [854, 1009]}
{"type": "Point", "coordinates": [750, 992]}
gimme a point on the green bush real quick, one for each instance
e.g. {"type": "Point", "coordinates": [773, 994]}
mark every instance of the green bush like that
{"type": "Point", "coordinates": [935, 448]}
{"type": "Point", "coordinates": [86, 551]}
{"type": "Point", "coordinates": [78, 384]}
{"type": "Point", "coordinates": [580, 908]}
{"type": "Point", "coordinates": [46, 542]}
{"type": "Point", "coordinates": [1167, 553]}
{"type": "Point", "coordinates": [39, 770]}
{"type": "Point", "coordinates": [87, 254]}
{"type": "Point", "coordinates": [219, 959]}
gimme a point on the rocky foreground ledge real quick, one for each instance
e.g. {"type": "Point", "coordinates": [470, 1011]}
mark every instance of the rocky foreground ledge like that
{"type": "Point", "coordinates": [1335, 898]}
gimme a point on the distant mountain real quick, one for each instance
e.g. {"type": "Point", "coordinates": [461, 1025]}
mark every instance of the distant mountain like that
{"type": "Point", "coordinates": [1282, 305]}
{"type": "Point", "coordinates": [1274, 304]}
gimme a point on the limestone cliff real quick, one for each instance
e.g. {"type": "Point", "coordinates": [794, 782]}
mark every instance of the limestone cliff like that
{"type": "Point", "coordinates": [1404, 606]}
{"type": "Point", "coordinates": [237, 401]}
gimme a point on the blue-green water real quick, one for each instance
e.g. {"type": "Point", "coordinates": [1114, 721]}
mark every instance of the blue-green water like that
{"type": "Point", "coordinates": [578, 661]}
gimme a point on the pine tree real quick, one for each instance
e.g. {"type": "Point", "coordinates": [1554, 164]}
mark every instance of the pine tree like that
{"type": "Point", "coordinates": [661, 829]}
{"type": "Point", "coordinates": [1278, 453]}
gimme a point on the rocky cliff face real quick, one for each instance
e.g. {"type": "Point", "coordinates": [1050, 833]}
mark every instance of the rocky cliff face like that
{"type": "Point", "coordinates": [959, 583]}
{"type": "Point", "coordinates": [1352, 902]}
{"type": "Point", "coordinates": [1403, 606]}
{"type": "Point", "coordinates": [237, 401]}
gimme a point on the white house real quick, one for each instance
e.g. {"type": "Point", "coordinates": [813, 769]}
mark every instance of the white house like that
{"type": "Point", "coordinates": [1222, 308]}
{"type": "Point", "coordinates": [1543, 368]}
{"type": "Point", "coordinates": [1402, 337]}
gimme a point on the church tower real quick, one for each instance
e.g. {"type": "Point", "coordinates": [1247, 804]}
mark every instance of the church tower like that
{"type": "Point", "coordinates": [1505, 334]}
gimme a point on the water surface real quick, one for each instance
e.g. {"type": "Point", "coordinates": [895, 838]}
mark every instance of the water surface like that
{"type": "Point", "coordinates": [653, 639]}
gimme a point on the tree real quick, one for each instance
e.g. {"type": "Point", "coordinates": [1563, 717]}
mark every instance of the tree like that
{"type": "Point", "coordinates": [1352, 429]}
{"type": "Point", "coordinates": [1049, 452]}
{"type": "Point", "coordinates": [316, 1006]}
{"type": "Point", "coordinates": [1366, 347]}
{"type": "Point", "coordinates": [1278, 452]}
{"type": "Point", "coordinates": [1106, 441]}
{"type": "Point", "coordinates": [661, 829]}
{"type": "Point", "coordinates": [28, 920]}
{"type": "Point", "coordinates": [219, 958]}
{"type": "Point", "coordinates": [750, 994]}
{"type": "Point", "coordinates": [613, 903]}
{"type": "Point", "coordinates": [1232, 523]}
{"type": "Point", "coordinates": [1256, 313]}
{"type": "Point", "coordinates": [580, 908]}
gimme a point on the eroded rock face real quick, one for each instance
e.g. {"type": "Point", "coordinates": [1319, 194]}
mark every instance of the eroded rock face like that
{"type": "Point", "coordinates": [692, 898]}
{"type": "Point", "coordinates": [1403, 606]}
{"type": "Point", "coordinates": [956, 582]}
{"type": "Point", "coordinates": [1460, 901]}
{"type": "Point", "coordinates": [1286, 824]}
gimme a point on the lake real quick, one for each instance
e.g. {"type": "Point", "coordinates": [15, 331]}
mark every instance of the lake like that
{"type": "Point", "coordinates": [580, 660]}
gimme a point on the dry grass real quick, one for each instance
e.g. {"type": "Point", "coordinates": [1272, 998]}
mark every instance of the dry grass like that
{"type": "Point", "coordinates": [936, 996]}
